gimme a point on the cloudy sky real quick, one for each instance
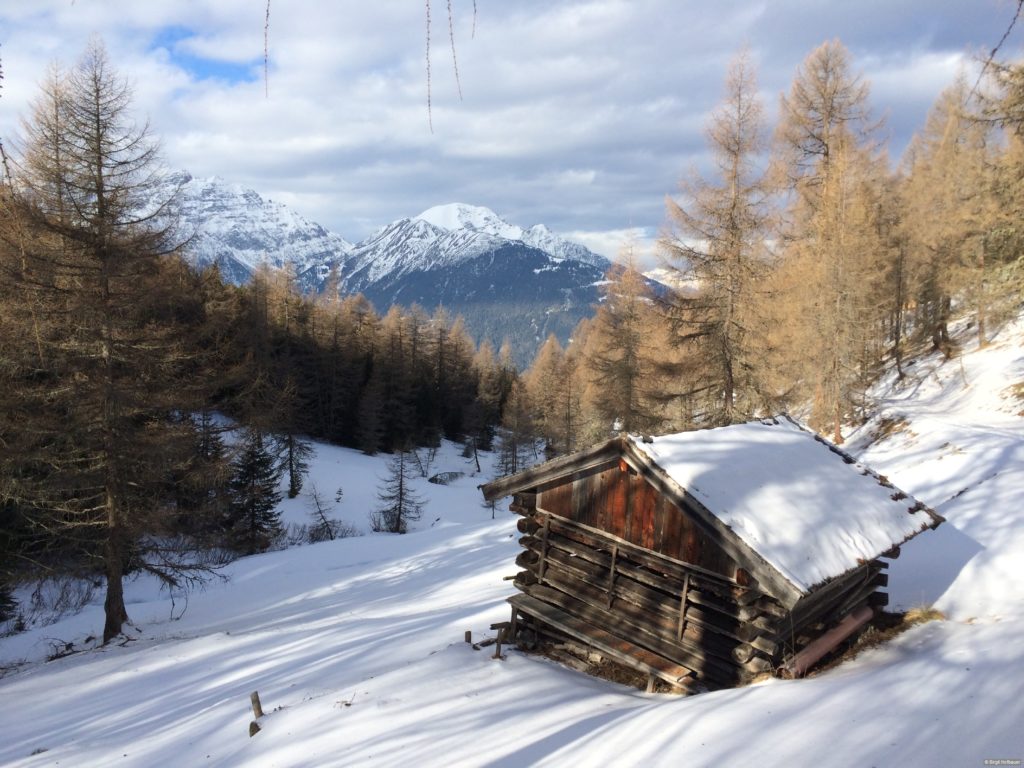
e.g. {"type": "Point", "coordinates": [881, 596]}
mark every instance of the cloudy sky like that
{"type": "Point", "coordinates": [581, 114]}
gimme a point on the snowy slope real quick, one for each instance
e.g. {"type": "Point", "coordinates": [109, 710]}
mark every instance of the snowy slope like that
{"type": "Point", "coordinates": [356, 648]}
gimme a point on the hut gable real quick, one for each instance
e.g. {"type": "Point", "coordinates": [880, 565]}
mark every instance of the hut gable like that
{"type": "Point", "coordinates": [810, 510]}
{"type": "Point", "coordinates": [705, 557]}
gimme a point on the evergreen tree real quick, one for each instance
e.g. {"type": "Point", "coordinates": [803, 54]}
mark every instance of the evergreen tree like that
{"type": "Point", "coordinates": [399, 503]}
{"type": "Point", "coordinates": [295, 455]}
{"type": "Point", "coordinates": [253, 521]}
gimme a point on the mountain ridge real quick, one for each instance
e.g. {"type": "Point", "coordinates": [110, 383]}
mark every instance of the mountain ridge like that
{"type": "Point", "coordinates": [508, 281]}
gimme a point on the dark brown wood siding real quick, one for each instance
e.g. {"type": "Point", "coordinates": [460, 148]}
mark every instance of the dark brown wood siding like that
{"type": "Point", "coordinates": [625, 505]}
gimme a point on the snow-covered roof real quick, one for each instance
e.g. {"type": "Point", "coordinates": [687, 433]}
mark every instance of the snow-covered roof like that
{"type": "Point", "coordinates": [808, 509]}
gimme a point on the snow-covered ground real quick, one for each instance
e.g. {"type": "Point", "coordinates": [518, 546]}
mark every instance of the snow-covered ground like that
{"type": "Point", "coordinates": [356, 646]}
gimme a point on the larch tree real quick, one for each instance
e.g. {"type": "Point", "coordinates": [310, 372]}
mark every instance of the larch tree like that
{"type": "Point", "coordinates": [716, 241]}
{"type": "Point", "coordinates": [98, 394]}
{"type": "Point", "coordinates": [617, 358]}
{"type": "Point", "coordinates": [824, 151]}
{"type": "Point", "coordinates": [399, 502]}
{"type": "Point", "coordinates": [553, 389]}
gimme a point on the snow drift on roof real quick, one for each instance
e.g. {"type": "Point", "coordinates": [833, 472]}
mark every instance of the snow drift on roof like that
{"type": "Point", "coordinates": [790, 496]}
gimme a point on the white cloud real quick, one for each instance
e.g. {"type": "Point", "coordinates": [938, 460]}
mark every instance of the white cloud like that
{"type": "Point", "coordinates": [579, 114]}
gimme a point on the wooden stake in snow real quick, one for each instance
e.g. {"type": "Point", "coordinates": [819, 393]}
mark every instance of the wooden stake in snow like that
{"type": "Point", "coordinates": [257, 708]}
{"type": "Point", "coordinates": [257, 711]}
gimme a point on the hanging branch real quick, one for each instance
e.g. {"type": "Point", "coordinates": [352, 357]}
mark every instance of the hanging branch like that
{"type": "Point", "coordinates": [6, 178]}
{"type": "Point", "coordinates": [430, 114]}
{"type": "Point", "coordinates": [455, 61]}
{"type": "Point", "coordinates": [266, 53]}
{"type": "Point", "coordinates": [992, 54]}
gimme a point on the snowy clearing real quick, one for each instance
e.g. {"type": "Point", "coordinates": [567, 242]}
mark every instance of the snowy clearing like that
{"type": "Point", "coordinates": [356, 646]}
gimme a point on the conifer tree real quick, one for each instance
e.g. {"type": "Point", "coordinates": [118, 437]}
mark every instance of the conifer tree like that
{"type": "Point", "coordinates": [824, 154]}
{"type": "Point", "coordinates": [517, 446]}
{"type": "Point", "coordinates": [104, 370]}
{"type": "Point", "coordinates": [951, 175]}
{"type": "Point", "coordinates": [399, 503]}
{"type": "Point", "coordinates": [716, 241]}
{"type": "Point", "coordinates": [253, 520]}
{"type": "Point", "coordinates": [295, 455]}
{"type": "Point", "coordinates": [618, 359]}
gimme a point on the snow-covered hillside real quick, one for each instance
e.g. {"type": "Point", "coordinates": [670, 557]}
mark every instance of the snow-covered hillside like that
{"type": "Point", "coordinates": [356, 646]}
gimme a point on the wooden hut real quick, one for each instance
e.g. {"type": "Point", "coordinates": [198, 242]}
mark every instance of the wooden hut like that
{"type": "Point", "coordinates": [709, 557]}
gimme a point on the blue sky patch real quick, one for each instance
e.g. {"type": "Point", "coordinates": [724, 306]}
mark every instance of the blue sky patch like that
{"type": "Point", "coordinates": [201, 68]}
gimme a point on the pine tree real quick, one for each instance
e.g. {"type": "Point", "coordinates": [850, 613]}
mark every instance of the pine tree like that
{"type": "Point", "coordinates": [399, 503]}
{"type": "Point", "coordinates": [295, 455]}
{"type": "Point", "coordinates": [253, 520]}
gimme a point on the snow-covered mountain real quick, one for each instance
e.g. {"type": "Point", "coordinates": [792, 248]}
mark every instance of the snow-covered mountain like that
{"type": "Point", "coordinates": [448, 235]}
{"type": "Point", "coordinates": [236, 229]}
{"type": "Point", "coordinates": [506, 281]}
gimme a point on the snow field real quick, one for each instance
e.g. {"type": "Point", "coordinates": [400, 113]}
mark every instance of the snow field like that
{"type": "Point", "coordinates": [355, 646]}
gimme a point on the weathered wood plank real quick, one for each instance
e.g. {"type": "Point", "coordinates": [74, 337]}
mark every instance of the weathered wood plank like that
{"type": "Point", "coordinates": [656, 589]}
{"type": "Point", "coordinates": [704, 664]}
{"type": "Point", "coordinates": [637, 617]}
{"type": "Point", "coordinates": [621, 650]}
{"type": "Point", "coordinates": [806, 658]}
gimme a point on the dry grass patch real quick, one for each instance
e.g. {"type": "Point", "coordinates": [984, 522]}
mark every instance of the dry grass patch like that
{"type": "Point", "coordinates": [882, 629]}
{"type": "Point", "coordinates": [891, 425]}
{"type": "Point", "coordinates": [1015, 393]}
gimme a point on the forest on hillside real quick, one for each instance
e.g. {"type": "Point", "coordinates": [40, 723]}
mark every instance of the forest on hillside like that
{"type": "Point", "coordinates": [809, 264]}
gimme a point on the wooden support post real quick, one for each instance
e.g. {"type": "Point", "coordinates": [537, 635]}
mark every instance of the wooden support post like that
{"type": "Point", "coordinates": [681, 628]}
{"type": "Point", "coordinates": [257, 711]}
{"type": "Point", "coordinates": [611, 574]}
{"type": "Point", "coordinates": [469, 636]}
{"type": "Point", "coordinates": [513, 628]}
{"type": "Point", "coordinates": [650, 683]}
{"type": "Point", "coordinates": [497, 645]}
{"type": "Point", "coordinates": [543, 548]}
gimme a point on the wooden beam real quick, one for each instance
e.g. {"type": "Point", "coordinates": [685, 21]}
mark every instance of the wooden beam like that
{"type": "Point", "coordinates": [550, 470]}
{"type": "Point", "coordinates": [810, 655]}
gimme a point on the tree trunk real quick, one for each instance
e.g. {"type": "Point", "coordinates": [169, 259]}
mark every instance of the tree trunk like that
{"type": "Point", "coordinates": [113, 605]}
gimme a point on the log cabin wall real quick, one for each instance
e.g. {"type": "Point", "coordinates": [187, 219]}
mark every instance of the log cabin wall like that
{"type": "Point", "coordinates": [672, 619]}
{"type": "Point", "coordinates": [615, 499]}
{"type": "Point", "coordinates": [648, 607]}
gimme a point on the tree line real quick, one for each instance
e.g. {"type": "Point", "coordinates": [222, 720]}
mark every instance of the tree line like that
{"type": "Point", "coordinates": [805, 264]}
